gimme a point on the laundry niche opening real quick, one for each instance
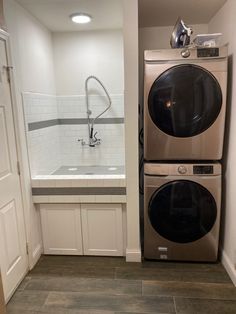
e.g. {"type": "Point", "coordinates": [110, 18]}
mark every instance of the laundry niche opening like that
{"type": "Point", "coordinates": [76, 127]}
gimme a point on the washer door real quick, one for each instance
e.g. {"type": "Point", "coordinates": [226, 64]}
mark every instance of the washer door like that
{"type": "Point", "coordinates": [185, 100]}
{"type": "Point", "coordinates": [182, 211]}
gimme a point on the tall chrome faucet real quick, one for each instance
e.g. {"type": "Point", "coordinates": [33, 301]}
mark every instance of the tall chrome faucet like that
{"type": "Point", "coordinates": [93, 140]}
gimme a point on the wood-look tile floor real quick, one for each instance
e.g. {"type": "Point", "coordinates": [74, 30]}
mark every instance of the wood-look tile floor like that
{"type": "Point", "coordinates": [106, 285]}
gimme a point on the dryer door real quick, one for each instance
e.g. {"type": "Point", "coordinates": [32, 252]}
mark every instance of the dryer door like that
{"type": "Point", "coordinates": [185, 100]}
{"type": "Point", "coordinates": [182, 211]}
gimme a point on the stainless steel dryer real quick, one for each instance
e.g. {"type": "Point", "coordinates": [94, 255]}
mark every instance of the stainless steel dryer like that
{"type": "Point", "coordinates": [184, 103]}
{"type": "Point", "coordinates": [182, 211]}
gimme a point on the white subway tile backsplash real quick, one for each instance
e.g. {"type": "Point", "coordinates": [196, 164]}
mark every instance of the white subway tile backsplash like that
{"type": "Point", "coordinates": [68, 105]}
{"type": "Point", "coordinates": [39, 107]}
{"type": "Point", "coordinates": [44, 148]}
{"type": "Point", "coordinates": [54, 146]}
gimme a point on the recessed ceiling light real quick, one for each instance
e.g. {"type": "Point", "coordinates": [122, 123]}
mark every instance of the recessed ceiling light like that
{"type": "Point", "coordinates": [80, 18]}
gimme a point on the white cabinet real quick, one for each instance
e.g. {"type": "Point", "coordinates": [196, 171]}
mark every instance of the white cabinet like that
{"type": "Point", "coordinates": [102, 229]}
{"type": "Point", "coordinates": [61, 228]}
{"type": "Point", "coordinates": [89, 229]}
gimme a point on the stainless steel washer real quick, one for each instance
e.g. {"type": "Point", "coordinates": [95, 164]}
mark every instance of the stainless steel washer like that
{"type": "Point", "coordinates": [182, 211]}
{"type": "Point", "coordinates": [184, 103]}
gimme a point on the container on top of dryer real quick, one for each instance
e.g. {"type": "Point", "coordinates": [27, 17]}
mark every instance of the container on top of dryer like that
{"type": "Point", "coordinates": [184, 103]}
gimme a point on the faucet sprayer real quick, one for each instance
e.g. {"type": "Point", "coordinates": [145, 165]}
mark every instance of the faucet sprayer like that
{"type": "Point", "coordinates": [93, 140]}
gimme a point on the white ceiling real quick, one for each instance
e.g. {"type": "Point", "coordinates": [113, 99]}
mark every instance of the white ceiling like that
{"type": "Point", "coordinates": [107, 14]}
{"type": "Point", "coordinates": [54, 14]}
{"type": "Point", "coordinates": [166, 12]}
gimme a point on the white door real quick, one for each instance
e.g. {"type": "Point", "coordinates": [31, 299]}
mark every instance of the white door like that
{"type": "Point", "coordinates": [13, 255]}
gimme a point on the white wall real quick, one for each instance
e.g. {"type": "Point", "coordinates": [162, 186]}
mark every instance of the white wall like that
{"type": "Point", "coordinates": [32, 50]}
{"type": "Point", "coordinates": [32, 56]}
{"type": "Point", "coordinates": [224, 21]}
{"type": "Point", "coordinates": [130, 11]}
{"type": "Point", "coordinates": [78, 55]}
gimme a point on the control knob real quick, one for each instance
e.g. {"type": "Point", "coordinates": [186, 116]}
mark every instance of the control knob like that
{"type": "Point", "coordinates": [185, 53]}
{"type": "Point", "coordinates": [182, 169]}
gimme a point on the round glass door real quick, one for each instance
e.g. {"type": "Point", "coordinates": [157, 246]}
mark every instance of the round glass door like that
{"type": "Point", "coordinates": [185, 100]}
{"type": "Point", "coordinates": [182, 211]}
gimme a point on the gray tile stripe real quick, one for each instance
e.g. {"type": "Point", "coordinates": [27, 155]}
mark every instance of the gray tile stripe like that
{"type": "Point", "coordinates": [99, 121]}
{"type": "Point", "coordinates": [45, 124]}
{"type": "Point", "coordinates": [42, 124]}
{"type": "Point", "coordinates": [80, 191]}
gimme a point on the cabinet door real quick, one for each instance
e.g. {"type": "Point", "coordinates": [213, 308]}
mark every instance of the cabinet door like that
{"type": "Point", "coordinates": [61, 228]}
{"type": "Point", "coordinates": [102, 229]}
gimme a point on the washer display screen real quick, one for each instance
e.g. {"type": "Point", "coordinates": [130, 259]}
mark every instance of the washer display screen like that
{"type": "Point", "coordinates": [182, 211]}
{"type": "Point", "coordinates": [185, 100]}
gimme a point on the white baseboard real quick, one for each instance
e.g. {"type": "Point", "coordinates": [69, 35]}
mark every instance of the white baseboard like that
{"type": "Point", "coordinates": [37, 252]}
{"type": "Point", "coordinates": [133, 256]}
{"type": "Point", "coordinates": [229, 266]}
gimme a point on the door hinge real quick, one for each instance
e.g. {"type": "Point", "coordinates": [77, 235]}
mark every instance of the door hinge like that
{"type": "Point", "coordinates": [27, 248]}
{"type": "Point", "coordinates": [8, 69]}
{"type": "Point", "coordinates": [18, 168]}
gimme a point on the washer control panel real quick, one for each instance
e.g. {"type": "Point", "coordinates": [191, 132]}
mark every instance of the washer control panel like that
{"type": "Point", "coordinates": [185, 169]}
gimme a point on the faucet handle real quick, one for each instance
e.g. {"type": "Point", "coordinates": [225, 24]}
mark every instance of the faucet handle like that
{"type": "Point", "coordinates": [96, 140]}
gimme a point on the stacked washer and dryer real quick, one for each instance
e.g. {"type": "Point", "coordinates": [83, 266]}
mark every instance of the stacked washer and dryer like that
{"type": "Point", "coordinates": [184, 118]}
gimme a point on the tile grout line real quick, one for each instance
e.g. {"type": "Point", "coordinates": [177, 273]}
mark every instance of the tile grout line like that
{"type": "Point", "coordinates": [115, 273]}
{"type": "Point", "coordinates": [175, 305]}
{"type": "Point", "coordinates": [42, 307]}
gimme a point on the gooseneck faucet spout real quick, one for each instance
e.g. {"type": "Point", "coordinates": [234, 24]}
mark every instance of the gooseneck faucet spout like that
{"type": "Point", "coordinates": [93, 140]}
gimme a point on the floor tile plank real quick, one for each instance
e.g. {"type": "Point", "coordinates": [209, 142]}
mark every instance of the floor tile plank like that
{"type": "Point", "coordinates": [172, 275]}
{"type": "Point", "coordinates": [85, 285]}
{"type": "Point", "coordinates": [203, 306]}
{"type": "Point", "coordinates": [131, 304]}
{"type": "Point", "coordinates": [189, 289]}
{"type": "Point", "coordinates": [87, 271]}
{"type": "Point", "coordinates": [27, 300]}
